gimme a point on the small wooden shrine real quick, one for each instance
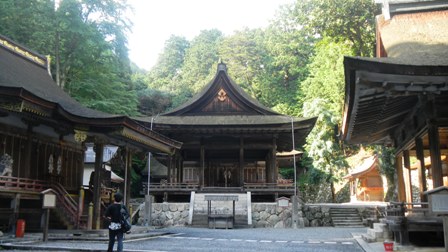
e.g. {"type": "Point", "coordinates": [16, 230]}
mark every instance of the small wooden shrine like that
{"type": "Point", "coordinates": [366, 182]}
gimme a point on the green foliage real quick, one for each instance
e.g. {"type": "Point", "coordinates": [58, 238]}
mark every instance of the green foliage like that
{"type": "Point", "coordinates": [386, 160]}
{"type": "Point", "coordinates": [345, 20]}
{"type": "Point", "coordinates": [326, 79]}
{"type": "Point", "coordinates": [87, 44]}
{"type": "Point", "coordinates": [153, 102]}
{"type": "Point", "coordinates": [201, 60]}
{"type": "Point", "coordinates": [321, 145]}
{"type": "Point", "coordinates": [286, 173]}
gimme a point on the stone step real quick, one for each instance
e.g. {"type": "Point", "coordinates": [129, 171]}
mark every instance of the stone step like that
{"type": "Point", "coordinates": [348, 224]}
{"type": "Point", "coordinates": [343, 210]}
{"type": "Point", "coordinates": [347, 220]}
{"type": "Point", "coordinates": [202, 221]}
{"type": "Point", "coordinates": [220, 207]}
{"type": "Point", "coordinates": [368, 238]}
{"type": "Point", "coordinates": [344, 215]}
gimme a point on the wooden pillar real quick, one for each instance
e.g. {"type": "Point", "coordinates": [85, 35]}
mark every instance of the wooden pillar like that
{"type": "Point", "coordinates": [128, 181]}
{"type": "Point", "coordinates": [400, 180]}
{"type": "Point", "coordinates": [99, 150]}
{"type": "Point", "coordinates": [170, 170]}
{"type": "Point", "coordinates": [421, 170]}
{"type": "Point", "coordinates": [241, 163]}
{"type": "Point", "coordinates": [268, 168]}
{"type": "Point", "coordinates": [202, 164]}
{"type": "Point", "coordinates": [407, 175]}
{"type": "Point", "coordinates": [179, 167]}
{"type": "Point", "coordinates": [173, 169]}
{"type": "Point", "coordinates": [436, 162]}
{"type": "Point", "coordinates": [274, 166]}
{"type": "Point", "coordinates": [15, 206]}
{"type": "Point", "coordinates": [27, 153]}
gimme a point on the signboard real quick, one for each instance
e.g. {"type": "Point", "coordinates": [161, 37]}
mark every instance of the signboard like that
{"type": "Point", "coordinates": [438, 200]}
{"type": "Point", "coordinates": [48, 198]}
{"type": "Point", "coordinates": [49, 201]}
{"type": "Point", "coordinates": [283, 202]}
{"type": "Point", "coordinates": [439, 203]}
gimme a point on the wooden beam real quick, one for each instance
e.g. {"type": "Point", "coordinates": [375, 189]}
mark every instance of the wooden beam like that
{"type": "Point", "coordinates": [421, 169]}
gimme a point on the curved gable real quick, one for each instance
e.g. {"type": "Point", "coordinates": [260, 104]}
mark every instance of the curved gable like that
{"type": "Point", "coordinates": [221, 97]}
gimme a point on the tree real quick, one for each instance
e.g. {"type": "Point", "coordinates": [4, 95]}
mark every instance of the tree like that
{"type": "Point", "coordinates": [165, 75]}
{"type": "Point", "coordinates": [243, 54]}
{"type": "Point", "coordinates": [386, 160]}
{"type": "Point", "coordinates": [86, 42]}
{"type": "Point", "coordinates": [345, 20]}
{"type": "Point", "coordinates": [289, 47]}
{"type": "Point", "coordinates": [29, 22]}
{"type": "Point", "coordinates": [322, 146]}
{"type": "Point", "coordinates": [201, 59]}
{"type": "Point", "coordinates": [326, 79]}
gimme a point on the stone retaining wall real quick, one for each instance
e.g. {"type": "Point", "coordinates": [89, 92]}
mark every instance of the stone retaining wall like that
{"type": "Point", "coordinates": [168, 214]}
{"type": "Point", "coordinates": [264, 215]}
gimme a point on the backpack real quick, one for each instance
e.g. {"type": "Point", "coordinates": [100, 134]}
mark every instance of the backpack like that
{"type": "Point", "coordinates": [125, 220]}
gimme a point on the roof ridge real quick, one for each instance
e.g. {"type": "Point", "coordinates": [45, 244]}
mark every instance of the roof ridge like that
{"type": "Point", "coordinates": [24, 52]}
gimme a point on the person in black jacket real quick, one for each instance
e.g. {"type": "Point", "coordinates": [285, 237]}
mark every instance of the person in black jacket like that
{"type": "Point", "coordinates": [113, 213]}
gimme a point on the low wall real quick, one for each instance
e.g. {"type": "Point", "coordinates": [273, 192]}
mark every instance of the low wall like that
{"type": "Point", "coordinates": [167, 214]}
{"type": "Point", "coordinates": [264, 215]}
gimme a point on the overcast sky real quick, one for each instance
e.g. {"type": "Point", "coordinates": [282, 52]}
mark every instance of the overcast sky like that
{"type": "Point", "coordinates": [156, 20]}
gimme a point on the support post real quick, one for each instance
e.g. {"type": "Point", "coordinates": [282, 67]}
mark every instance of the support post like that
{"type": "Point", "coordinates": [80, 206]}
{"type": "Point", "coordinates": [436, 162]}
{"type": "Point", "coordinates": [400, 180]}
{"type": "Point", "coordinates": [241, 162]}
{"type": "Point", "coordinates": [127, 189]}
{"type": "Point", "coordinates": [90, 217]}
{"type": "Point", "coordinates": [407, 175]}
{"type": "Point", "coordinates": [202, 160]}
{"type": "Point", "coordinates": [445, 231]}
{"type": "Point", "coordinates": [421, 169]}
{"type": "Point", "coordinates": [274, 166]}
{"type": "Point", "coordinates": [47, 222]}
{"type": "Point", "coordinates": [99, 150]}
{"type": "Point", "coordinates": [148, 210]}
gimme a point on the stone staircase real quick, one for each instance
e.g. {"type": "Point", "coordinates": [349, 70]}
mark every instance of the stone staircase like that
{"type": "Point", "coordinates": [345, 217]}
{"type": "Point", "coordinates": [379, 233]}
{"type": "Point", "coordinates": [200, 218]}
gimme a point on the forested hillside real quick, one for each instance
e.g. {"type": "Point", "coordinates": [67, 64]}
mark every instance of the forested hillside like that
{"type": "Point", "coordinates": [293, 66]}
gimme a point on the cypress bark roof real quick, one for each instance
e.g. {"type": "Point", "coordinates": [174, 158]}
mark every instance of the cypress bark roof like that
{"type": "Point", "coordinates": [222, 107]}
{"type": "Point", "coordinates": [26, 85]}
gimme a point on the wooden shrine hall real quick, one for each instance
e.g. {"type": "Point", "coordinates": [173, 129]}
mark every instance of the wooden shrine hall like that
{"type": "Point", "coordinates": [400, 98]}
{"type": "Point", "coordinates": [230, 142]}
{"type": "Point", "coordinates": [43, 132]}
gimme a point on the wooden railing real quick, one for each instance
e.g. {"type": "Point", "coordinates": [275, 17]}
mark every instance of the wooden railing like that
{"type": "Point", "coordinates": [170, 187]}
{"type": "Point", "coordinates": [411, 208]}
{"type": "Point", "coordinates": [268, 187]}
{"type": "Point", "coordinates": [403, 218]}
{"type": "Point", "coordinates": [22, 184]}
{"type": "Point", "coordinates": [67, 204]}
{"type": "Point", "coordinates": [166, 187]}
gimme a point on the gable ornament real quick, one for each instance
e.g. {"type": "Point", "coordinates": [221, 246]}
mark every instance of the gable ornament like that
{"type": "Point", "coordinates": [222, 95]}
